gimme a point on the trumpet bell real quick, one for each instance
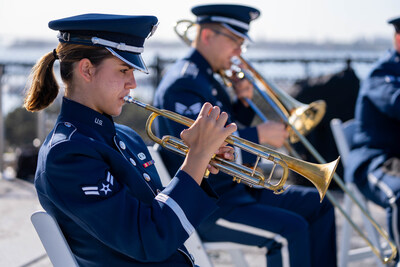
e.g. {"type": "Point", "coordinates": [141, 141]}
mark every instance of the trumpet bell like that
{"type": "Point", "coordinates": [305, 118]}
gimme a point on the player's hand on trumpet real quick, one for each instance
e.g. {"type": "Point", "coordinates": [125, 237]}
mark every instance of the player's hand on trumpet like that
{"type": "Point", "coordinates": [205, 138]}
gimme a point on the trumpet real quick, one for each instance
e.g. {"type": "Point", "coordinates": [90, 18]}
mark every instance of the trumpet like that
{"type": "Point", "coordinates": [320, 175]}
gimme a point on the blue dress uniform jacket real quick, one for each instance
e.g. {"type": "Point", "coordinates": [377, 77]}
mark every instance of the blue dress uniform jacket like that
{"type": "Point", "coordinates": [374, 161]}
{"type": "Point", "coordinates": [187, 85]}
{"type": "Point", "coordinates": [98, 180]}
{"type": "Point", "coordinates": [378, 119]}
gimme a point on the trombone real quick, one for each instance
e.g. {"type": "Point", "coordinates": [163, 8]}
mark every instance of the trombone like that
{"type": "Point", "coordinates": [318, 174]}
{"type": "Point", "coordinates": [284, 106]}
{"type": "Point", "coordinates": [303, 117]}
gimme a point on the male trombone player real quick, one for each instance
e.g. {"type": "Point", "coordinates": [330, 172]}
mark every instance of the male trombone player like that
{"type": "Point", "coordinates": [295, 227]}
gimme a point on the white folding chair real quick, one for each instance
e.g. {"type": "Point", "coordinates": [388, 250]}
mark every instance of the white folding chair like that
{"type": "Point", "coordinates": [342, 133]}
{"type": "Point", "coordinates": [194, 244]}
{"type": "Point", "coordinates": [53, 240]}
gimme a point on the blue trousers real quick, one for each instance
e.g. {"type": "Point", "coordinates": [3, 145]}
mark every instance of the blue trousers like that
{"type": "Point", "coordinates": [295, 227]}
{"type": "Point", "coordinates": [383, 188]}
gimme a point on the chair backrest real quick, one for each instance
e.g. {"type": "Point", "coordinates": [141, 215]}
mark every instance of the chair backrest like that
{"type": "Point", "coordinates": [161, 168]}
{"type": "Point", "coordinates": [343, 135]}
{"type": "Point", "coordinates": [53, 240]}
{"type": "Point", "coordinates": [193, 243]}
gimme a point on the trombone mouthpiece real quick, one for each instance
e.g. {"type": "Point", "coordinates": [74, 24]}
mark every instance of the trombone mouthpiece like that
{"type": "Point", "coordinates": [235, 60]}
{"type": "Point", "coordinates": [130, 99]}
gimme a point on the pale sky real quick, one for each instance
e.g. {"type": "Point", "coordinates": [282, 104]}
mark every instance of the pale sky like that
{"type": "Point", "coordinates": [288, 20]}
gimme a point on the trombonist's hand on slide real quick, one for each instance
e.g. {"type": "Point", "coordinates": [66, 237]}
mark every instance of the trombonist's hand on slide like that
{"type": "Point", "coordinates": [272, 133]}
{"type": "Point", "coordinates": [205, 138]}
{"type": "Point", "coordinates": [243, 89]}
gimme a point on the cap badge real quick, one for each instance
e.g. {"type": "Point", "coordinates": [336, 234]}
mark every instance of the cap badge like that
{"type": "Point", "coordinates": [153, 30]}
{"type": "Point", "coordinates": [253, 15]}
{"type": "Point", "coordinates": [64, 35]}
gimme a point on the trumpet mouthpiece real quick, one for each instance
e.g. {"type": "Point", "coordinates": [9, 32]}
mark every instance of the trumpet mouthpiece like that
{"type": "Point", "coordinates": [130, 99]}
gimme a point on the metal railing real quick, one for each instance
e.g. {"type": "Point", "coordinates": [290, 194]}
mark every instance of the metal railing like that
{"type": "Point", "coordinates": [157, 66]}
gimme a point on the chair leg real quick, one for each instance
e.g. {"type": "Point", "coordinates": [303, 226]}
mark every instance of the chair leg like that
{"type": "Point", "coordinates": [346, 254]}
{"type": "Point", "coordinates": [346, 234]}
{"type": "Point", "coordinates": [371, 231]}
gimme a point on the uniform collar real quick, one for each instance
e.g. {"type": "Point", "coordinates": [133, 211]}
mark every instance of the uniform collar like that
{"type": "Point", "coordinates": [396, 55]}
{"type": "Point", "coordinates": [200, 61]}
{"type": "Point", "coordinates": [84, 116]}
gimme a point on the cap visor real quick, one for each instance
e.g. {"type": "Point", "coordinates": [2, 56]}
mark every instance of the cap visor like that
{"type": "Point", "coordinates": [134, 60]}
{"type": "Point", "coordinates": [243, 35]}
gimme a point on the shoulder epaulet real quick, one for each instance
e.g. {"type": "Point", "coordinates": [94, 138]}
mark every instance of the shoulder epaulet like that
{"type": "Point", "coordinates": [62, 132]}
{"type": "Point", "coordinates": [189, 69]}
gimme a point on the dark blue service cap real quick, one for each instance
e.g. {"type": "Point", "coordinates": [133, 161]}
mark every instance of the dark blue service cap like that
{"type": "Point", "coordinates": [396, 23]}
{"type": "Point", "coordinates": [235, 18]}
{"type": "Point", "coordinates": [122, 35]}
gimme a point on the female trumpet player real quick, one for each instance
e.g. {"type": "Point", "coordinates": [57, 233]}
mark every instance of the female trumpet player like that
{"type": "Point", "coordinates": [97, 178]}
{"type": "Point", "coordinates": [294, 227]}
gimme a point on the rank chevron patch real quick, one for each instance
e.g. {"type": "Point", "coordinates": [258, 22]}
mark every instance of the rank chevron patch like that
{"type": "Point", "coordinates": [188, 110]}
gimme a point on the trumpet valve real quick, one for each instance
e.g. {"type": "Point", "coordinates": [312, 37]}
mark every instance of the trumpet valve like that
{"type": "Point", "coordinates": [237, 180]}
{"type": "Point", "coordinates": [281, 190]}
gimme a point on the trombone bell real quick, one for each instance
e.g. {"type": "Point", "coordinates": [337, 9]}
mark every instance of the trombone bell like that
{"type": "Point", "coordinates": [305, 118]}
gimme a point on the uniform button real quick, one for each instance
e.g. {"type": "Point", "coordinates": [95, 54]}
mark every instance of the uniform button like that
{"type": "Point", "coordinates": [146, 177]}
{"type": "Point", "coordinates": [67, 124]}
{"type": "Point", "coordinates": [122, 145]}
{"type": "Point", "coordinates": [132, 161]}
{"type": "Point", "coordinates": [158, 191]}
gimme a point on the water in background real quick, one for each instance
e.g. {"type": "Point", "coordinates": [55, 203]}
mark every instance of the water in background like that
{"type": "Point", "coordinates": [16, 77]}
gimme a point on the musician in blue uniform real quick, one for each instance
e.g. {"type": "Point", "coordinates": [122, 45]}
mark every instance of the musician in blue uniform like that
{"type": "Point", "coordinates": [374, 161]}
{"type": "Point", "coordinates": [96, 177]}
{"type": "Point", "coordinates": [294, 227]}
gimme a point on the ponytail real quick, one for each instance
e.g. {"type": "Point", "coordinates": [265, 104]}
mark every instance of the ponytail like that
{"type": "Point", "coordinates": [44, 87]}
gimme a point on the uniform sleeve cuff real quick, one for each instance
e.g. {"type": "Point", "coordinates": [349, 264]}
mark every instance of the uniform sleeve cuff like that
{"type": "Point", "coordinates": [197, 202]}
